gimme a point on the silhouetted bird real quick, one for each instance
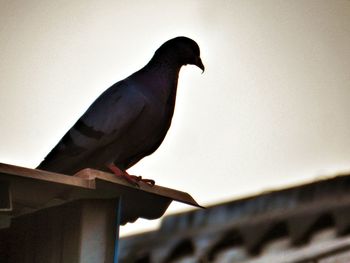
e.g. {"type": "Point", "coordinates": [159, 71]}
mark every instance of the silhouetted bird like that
{"type": "Point", "coordinates": [129, 120]}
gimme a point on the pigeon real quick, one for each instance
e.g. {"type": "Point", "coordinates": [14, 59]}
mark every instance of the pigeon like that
{"type": "Point", "coordinates": [129, 120]}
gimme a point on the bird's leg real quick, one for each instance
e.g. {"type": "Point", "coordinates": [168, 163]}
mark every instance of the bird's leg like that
{"type": "Point", "coordinates": [132, 179]}
{"type": "Point", "coordinates": [122, 174]}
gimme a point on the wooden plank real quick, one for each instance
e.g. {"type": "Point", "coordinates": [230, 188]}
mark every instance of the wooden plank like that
{"type": "Point", "coordinates": [44, 176]}
{"type": "Point", "coordinates": [177, 195]}
{"type": "Point", "coordinates": [86, 178]}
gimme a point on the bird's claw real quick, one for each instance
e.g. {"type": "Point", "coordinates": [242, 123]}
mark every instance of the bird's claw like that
{"type": "Point", "coordinates": [132, 179]}
{"type": "Point", "coordinates": [140, 179]}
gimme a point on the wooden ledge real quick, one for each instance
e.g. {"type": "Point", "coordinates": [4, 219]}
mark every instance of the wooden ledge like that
{"type": "Point", "coordinates": [32, 190]}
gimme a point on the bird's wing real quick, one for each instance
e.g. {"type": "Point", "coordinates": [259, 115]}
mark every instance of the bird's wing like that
{"type": "Point", "coordinates": [107, 118]}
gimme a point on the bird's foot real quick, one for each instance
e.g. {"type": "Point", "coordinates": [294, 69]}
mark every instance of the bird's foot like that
{"type": "Point", "coordinates": [140, 179]}
{"type": "Point", "coordinates": [132, 179]}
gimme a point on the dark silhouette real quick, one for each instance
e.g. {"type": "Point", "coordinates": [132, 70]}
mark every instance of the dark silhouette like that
{"type": "Point", "coordinates": [129, 120]}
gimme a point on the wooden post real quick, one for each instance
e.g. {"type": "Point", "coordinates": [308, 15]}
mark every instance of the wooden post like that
{"type": "Point", "coordinates": [83, 231]}
{"type": "Point", "coordinates": [5, 197]}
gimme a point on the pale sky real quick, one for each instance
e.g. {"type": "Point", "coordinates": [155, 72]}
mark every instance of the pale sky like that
{"type": "Point", "coordinates": [271, 110]}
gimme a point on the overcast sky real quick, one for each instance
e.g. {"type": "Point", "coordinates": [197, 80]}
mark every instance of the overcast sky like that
{"type": "Point", "coordinates": [272, 108]}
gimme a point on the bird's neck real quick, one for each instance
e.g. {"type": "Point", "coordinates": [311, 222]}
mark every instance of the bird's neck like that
{"type": "Point", "coordinates": [163, 82]}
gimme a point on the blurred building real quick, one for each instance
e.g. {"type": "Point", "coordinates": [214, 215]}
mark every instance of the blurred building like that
{"type": "Point", "coordinates": [307, 223]}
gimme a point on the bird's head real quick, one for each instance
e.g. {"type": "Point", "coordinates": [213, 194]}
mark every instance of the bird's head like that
{"type": "Point", "coordinates": [182, 50]}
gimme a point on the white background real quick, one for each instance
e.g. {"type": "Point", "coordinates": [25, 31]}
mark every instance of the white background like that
{"type": "Point", "coordinates": [272, 108]}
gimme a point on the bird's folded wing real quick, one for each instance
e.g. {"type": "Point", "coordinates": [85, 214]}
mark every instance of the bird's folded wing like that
{"type": "Point", "coordinates": [105, 120]}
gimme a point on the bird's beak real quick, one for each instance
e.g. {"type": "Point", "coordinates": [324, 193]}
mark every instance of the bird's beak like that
{"type": "Point", "coordinates": [199, 64]}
